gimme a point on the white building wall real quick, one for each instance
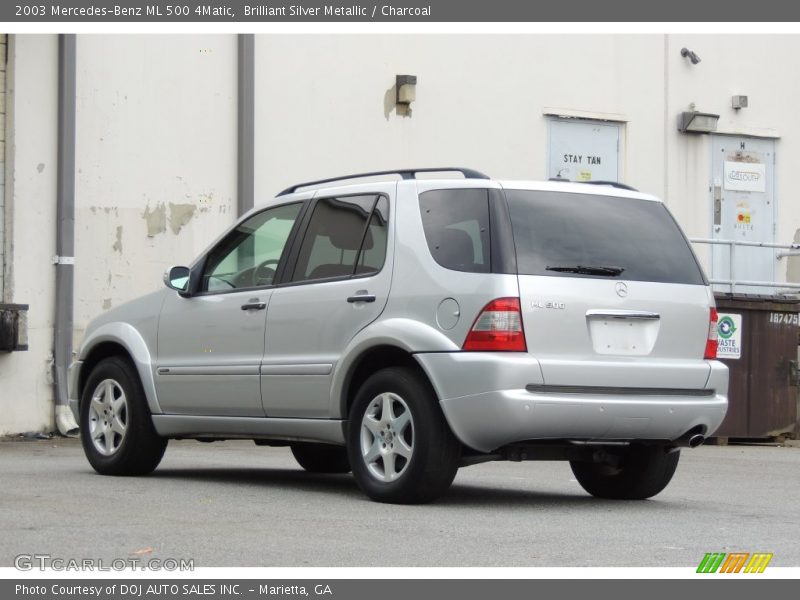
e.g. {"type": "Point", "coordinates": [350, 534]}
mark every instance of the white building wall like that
{"type": "Point", "coordinates": [325, 104]}
{"type": "Point", "coordinates": [156, 160]}
{"type": "Point", "coordinates": [760, 67]}
{"type": "Point", "coordinates": [157, 126]}
{"type": "Point", "coordinates": [26, 393]}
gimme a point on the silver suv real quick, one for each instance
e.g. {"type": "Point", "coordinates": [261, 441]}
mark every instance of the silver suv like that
{"type": "Point", "coordinates": [405, 327]}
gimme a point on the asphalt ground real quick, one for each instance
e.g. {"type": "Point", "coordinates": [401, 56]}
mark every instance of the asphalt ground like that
{"type": "Point", "coordinates": [233, 504]}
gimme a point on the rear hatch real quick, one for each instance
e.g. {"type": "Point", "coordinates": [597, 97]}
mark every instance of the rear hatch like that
{"type": "Point", "coordinates": [610, 291]}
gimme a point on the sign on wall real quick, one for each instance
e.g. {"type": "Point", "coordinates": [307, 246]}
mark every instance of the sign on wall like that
{"type": "Point", "coordinates": [745, 176]}
{"type": "Point", "coordinates": [729, 329]}
{"type": "Point", "coordinates": [583, 150]}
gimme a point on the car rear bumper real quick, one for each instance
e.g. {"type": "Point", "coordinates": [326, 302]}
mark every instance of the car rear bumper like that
{"type": "Point", "coordinates": [492, 415]}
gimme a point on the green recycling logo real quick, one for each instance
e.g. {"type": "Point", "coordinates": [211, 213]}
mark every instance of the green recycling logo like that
{"type": "Point", "coordinates": [726, 327]}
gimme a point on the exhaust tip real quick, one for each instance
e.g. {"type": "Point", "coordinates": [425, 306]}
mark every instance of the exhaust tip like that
{"type": "Point", "coordinates": [696, 440]}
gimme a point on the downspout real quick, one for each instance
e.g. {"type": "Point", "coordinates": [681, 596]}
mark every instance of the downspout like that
{"type": "Point", "coordinates": [245, 170]}
{"type": "Point", "coordinates": [667, 122]}
{"type": "Point", "coordinates": [65, 230]}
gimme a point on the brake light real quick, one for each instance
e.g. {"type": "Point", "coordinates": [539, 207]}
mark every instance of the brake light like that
{"type": "Point", "coordinates": [712, 341]}
{"type": "Point", "coordinates": [498, 328]}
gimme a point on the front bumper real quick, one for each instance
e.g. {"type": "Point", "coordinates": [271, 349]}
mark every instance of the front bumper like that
{"type": "Point", "coordinates": [491, 415]}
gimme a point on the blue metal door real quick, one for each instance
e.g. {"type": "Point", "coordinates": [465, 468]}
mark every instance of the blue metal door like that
{"type": "Point", "coordinates": [742, 190]}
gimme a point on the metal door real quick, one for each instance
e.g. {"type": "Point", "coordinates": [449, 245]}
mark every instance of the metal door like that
{"type": "Point", "coordinates": [311, 321]}
{"type": "Point", "coordinates": [210, 345]}
{"type": "Point", "coordinates": [584, 150]}
{"type": "Point", "coordinates": [742, 195]}
{"type": "Point", "coordinates": [210, 350]}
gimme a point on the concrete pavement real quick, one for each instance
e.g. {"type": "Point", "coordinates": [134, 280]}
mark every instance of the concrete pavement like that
{"type": "Point", "coordinates": [236, 504]}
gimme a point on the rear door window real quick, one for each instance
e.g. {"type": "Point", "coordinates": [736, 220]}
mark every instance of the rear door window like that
{"type": "Point", "coordinates": [345, 236]}
{"type": "Point", "coordinates": [456, 224]}
{"type": "Point", "coordinates": [563, 230]}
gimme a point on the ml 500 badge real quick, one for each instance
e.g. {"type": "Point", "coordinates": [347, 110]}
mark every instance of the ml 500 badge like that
{"type": "Point", "coordinates": [556, 305]}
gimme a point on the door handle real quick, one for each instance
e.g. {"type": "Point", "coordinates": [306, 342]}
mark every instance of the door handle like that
{"type": "Point", "coordinates": [361, 297]}
{"type": "Point", "coordinates": [254, 306]}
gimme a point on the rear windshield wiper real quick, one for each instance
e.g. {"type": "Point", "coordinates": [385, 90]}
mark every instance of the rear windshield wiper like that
{"type": "Point", "coordinates": [589, 270]}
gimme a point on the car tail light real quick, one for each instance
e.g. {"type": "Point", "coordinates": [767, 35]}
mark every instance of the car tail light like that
{"type": "Point", "coordinates": [498, 328]}
{"type": "Point", "coordinates": [711, 342]}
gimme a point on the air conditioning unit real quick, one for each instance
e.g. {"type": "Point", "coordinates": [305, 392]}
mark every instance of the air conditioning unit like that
{"type": "Point", "coordinates": [13, 327]}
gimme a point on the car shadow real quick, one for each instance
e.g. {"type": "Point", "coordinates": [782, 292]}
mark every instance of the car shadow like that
{"type": "Point", "coordinates": [288, 479]}
{"type": "Point", "coordinates": [459, 495]}
{"type": "Point", "coordinates": [478, 496]}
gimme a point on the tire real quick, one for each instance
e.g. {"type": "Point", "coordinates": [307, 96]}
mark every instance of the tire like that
{"type": "Point", "coordinates": [643, 472]}
{"type": "Point", "coordinates": [321, 458]}
{"type": "Point", "coordinates": [400, 446]}
{"type": "Point", "coordinates": [127, 443]}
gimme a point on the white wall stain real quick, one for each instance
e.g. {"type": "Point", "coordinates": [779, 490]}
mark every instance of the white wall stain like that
{"type": "Point", "coordinates": [117, 247]}
{"type": "Point", "coordinates": [180, 215]}
{"type": "Point", "coordinates": [156, 219]}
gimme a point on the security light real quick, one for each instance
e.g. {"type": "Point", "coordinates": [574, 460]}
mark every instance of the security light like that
{"type": "Point", "coordinates": [406, 89]}
{"type": "Point", "coordinates": [697, 122]}
{"type": "Point", "coordinates": [686, 53]}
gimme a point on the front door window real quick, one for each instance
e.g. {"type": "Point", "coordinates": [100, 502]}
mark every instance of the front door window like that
{"type": "Point", "coordinates": [249, 255]}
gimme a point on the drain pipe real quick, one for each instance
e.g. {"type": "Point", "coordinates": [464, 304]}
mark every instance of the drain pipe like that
{"type": "Point", "coordinates": [65, 231]}
{"type": "Point", "coordinates": [245, 170]}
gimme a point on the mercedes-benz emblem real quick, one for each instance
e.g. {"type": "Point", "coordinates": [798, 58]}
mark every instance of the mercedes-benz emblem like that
{"type": "Point", "coordinates": [622, 289]}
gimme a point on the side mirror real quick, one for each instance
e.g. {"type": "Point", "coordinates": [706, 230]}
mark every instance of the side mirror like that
{"type": "Point", "coordinates": [177, 278]}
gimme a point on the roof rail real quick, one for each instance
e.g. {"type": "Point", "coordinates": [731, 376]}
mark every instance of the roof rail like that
{"type": "Point", "coordinates": [404, 173]}
{"type": "Point", "coordinates": [615, 184]}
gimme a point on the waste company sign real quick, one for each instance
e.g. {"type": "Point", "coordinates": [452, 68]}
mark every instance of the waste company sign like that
{"type": "Point", "coordinates": [729, 329]}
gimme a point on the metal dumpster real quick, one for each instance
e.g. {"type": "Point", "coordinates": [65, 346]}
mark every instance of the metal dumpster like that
{"type": "Point", "coordinates": [758, 340]}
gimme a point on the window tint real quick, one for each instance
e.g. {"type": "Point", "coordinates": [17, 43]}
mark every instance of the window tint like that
{"type": "Point", "coordinates": [332, 243]}
{"type": "Point", "coordinates": [556, 229]}
{"type": "Point", "coordinates": [373, 252]}
{"type": "Point", "coordinates": [456, 224]}
{"type": "Point", "coordinates": [248, 256]}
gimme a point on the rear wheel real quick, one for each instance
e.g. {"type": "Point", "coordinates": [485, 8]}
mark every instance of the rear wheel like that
{"type": "Point", "coordinates": [321, 458]}
{"type": "Point", "coordinates": [117, 432]}
{"type": "Point", "coordinates": [401, 448]}
{"type": "Point", "coordinates": [643, 472]}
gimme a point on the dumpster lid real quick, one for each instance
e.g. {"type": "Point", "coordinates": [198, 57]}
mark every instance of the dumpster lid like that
{"type": "Point", "coordinates": [782, 302]}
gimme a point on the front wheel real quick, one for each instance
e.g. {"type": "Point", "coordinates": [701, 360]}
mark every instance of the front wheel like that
{"type": "Point", "coordinates": [117, 432]}
{"type": "Point", "coordinates": [643, 472]}
{"type": "Point", "coordinates": [400, 446]}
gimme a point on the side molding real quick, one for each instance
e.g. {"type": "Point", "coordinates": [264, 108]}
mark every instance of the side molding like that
{"type": "Point", "coordinates": [306, 430]}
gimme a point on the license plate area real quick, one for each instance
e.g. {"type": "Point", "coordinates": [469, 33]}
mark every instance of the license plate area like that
{"type": "Point", "coordinates": [622, 336]}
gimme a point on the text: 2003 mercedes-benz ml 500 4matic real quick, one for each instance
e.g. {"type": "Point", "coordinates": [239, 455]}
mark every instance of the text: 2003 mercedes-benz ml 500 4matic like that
{"type": "Point", "coordinates": [406, 327]}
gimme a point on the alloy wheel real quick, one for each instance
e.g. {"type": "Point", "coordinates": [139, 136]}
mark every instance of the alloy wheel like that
{"type": "Point", "coordinates": [108, 417]}
{"type": "Point", "coordinates": [387, 437]}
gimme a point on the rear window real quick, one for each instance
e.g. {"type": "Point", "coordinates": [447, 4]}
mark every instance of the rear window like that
{"type": "Point", "coordinates": [456, 224]}
{"type": "Point", "coordinates": [563, 230]}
